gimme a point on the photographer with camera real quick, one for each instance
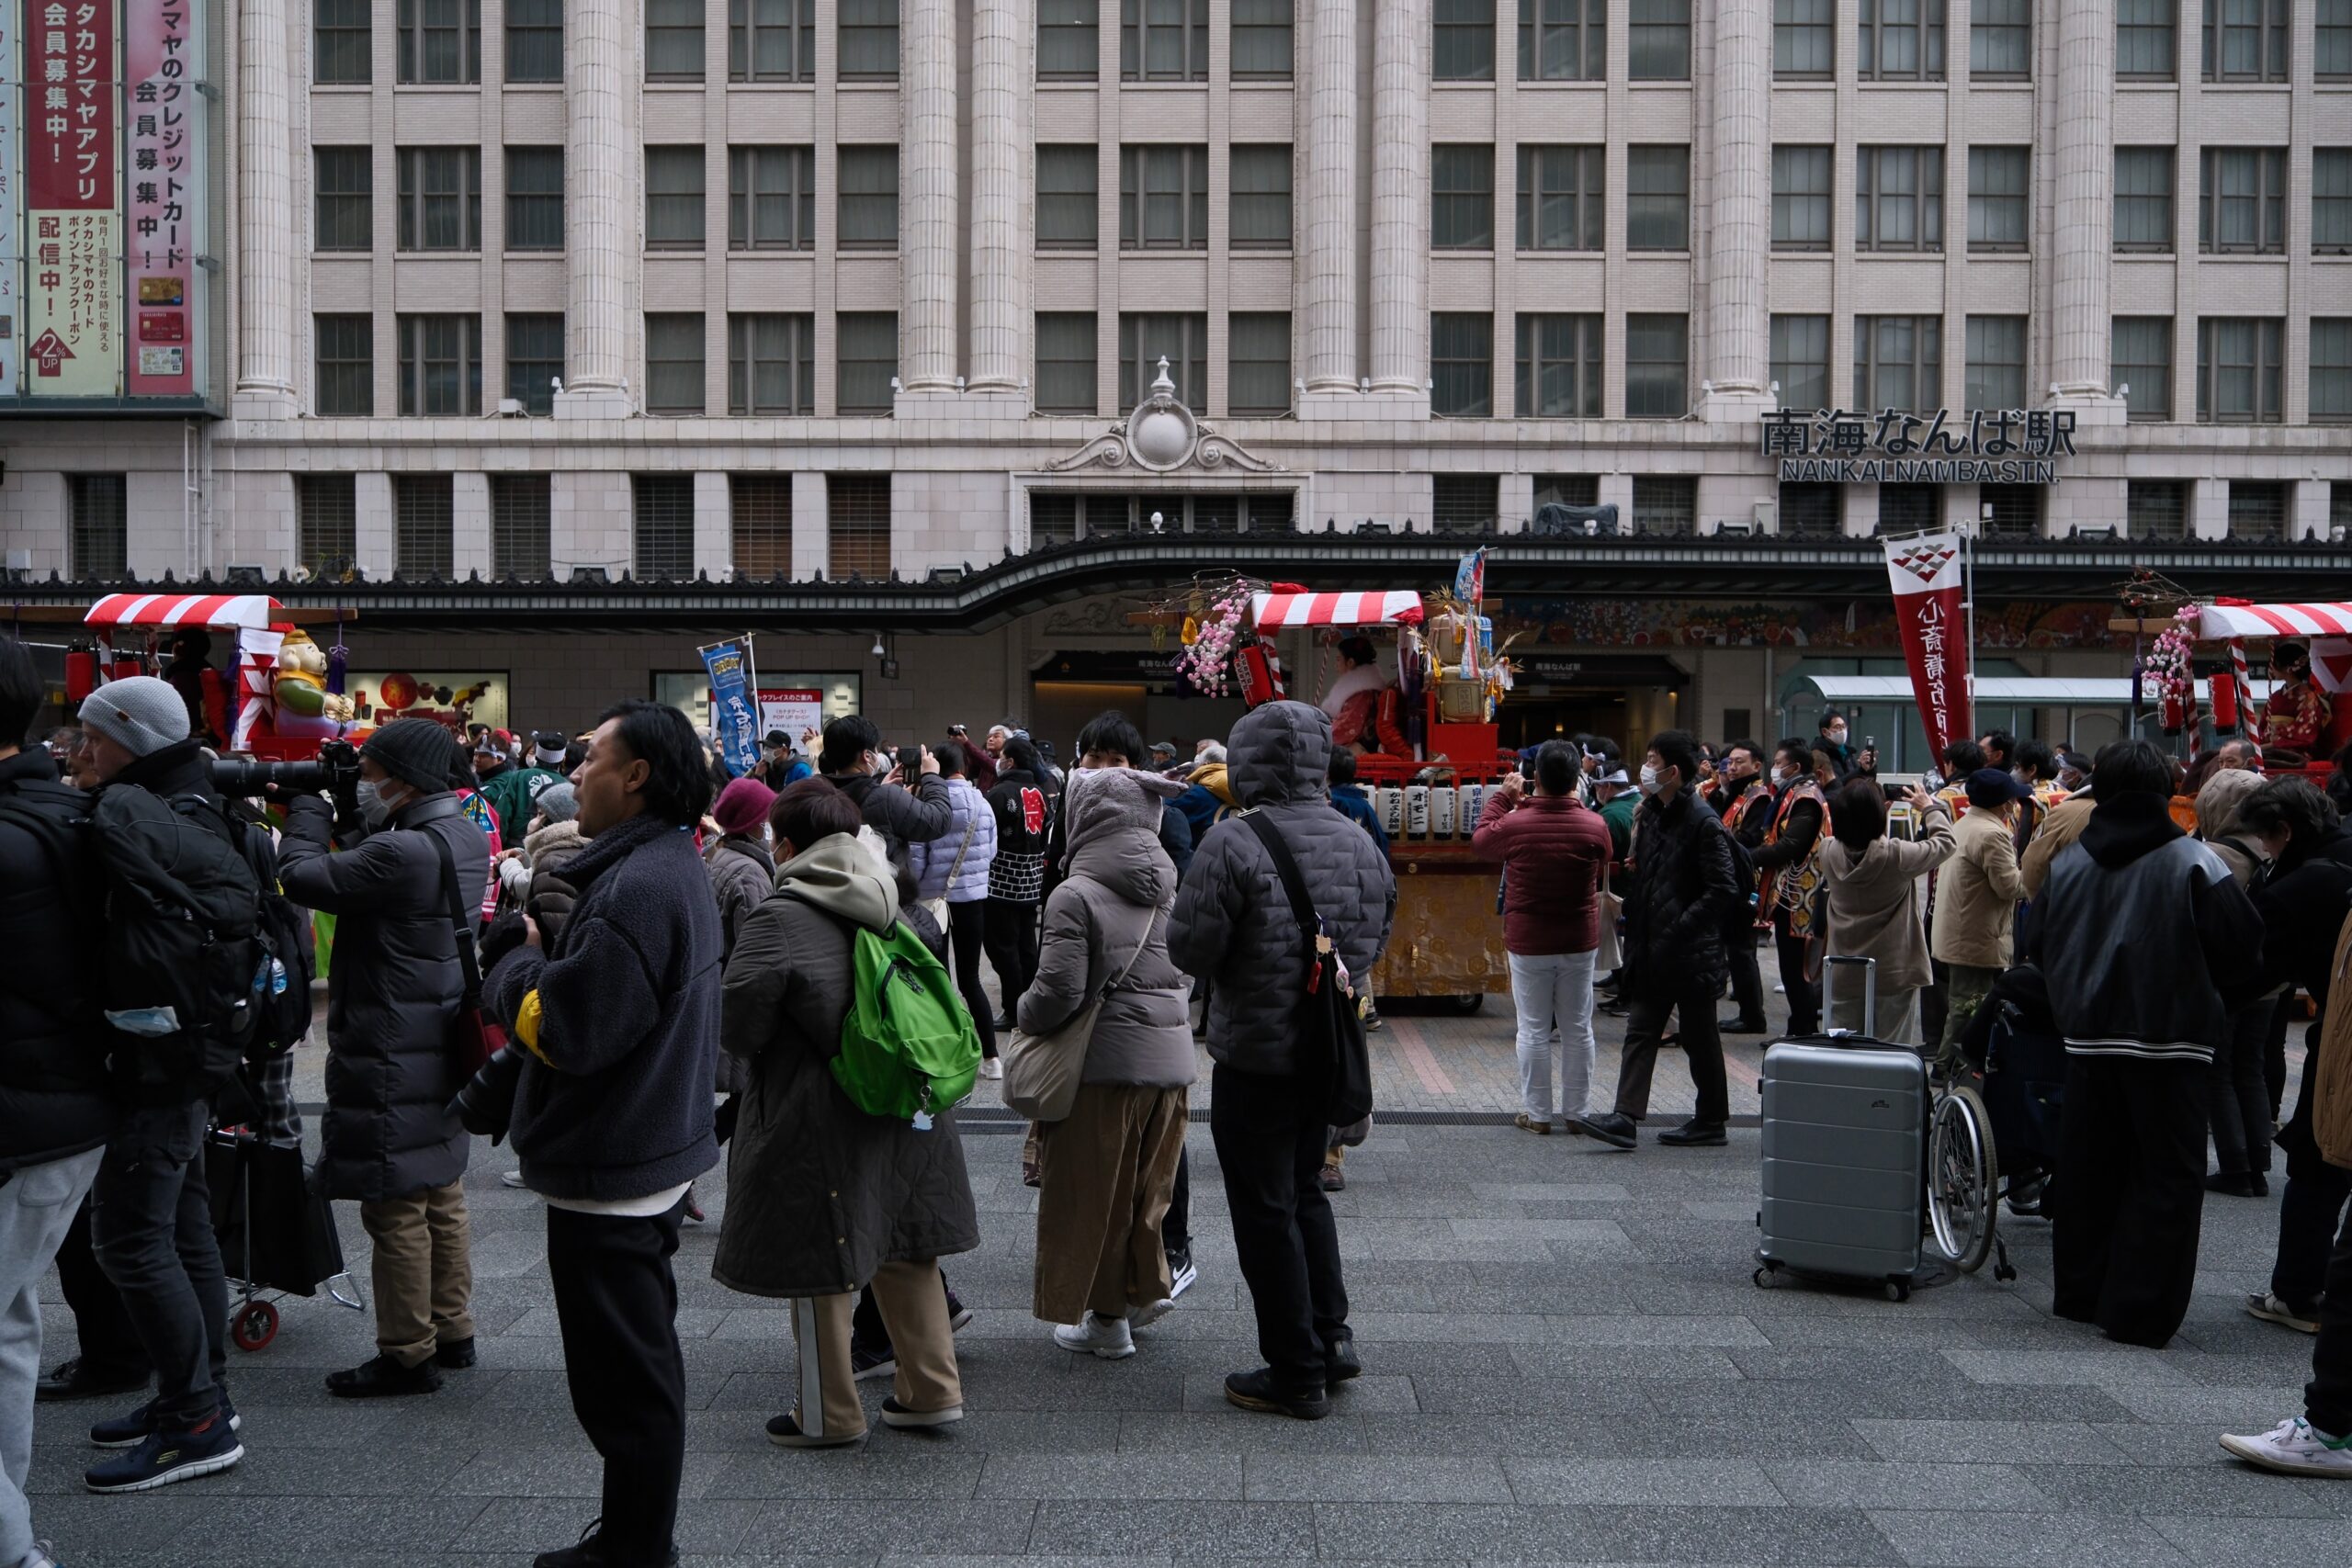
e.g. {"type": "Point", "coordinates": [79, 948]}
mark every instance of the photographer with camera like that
{"type": "Point", "coordinates": [903, 809]}
{"type": "Point", "coordinates": [400, 890]}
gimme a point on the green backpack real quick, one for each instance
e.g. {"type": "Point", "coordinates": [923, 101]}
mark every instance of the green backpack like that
{"type": "Point", "coordinates": [909, 1051]}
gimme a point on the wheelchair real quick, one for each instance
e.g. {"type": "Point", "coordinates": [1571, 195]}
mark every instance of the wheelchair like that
{"type": "Point", "coordinates": [1994, 1130]}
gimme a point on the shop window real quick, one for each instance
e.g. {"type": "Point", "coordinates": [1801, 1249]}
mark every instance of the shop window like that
{"type": "Point", "coordinates": [857, 526]}
{"type": "Point", "coordinates": [1812, 511]}
{"type": "Point", "coordinates": [662, 510]}
{"type": "Point", "coordinates": [760, 525]}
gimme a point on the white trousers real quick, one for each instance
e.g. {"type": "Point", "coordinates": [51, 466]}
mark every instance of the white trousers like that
{"type": "Point", "coordinates": [1553, 991]}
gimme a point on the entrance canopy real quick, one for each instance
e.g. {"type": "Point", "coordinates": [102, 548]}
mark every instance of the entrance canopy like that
{"type": "Point", "coordinates": [2216, 621]}
{"type": "Point", "coordinates": [1395, 606]}
{"type": "Point", "coordinates": [2021, 691]}
{"type": "Point", "coordinates": [249, 611]}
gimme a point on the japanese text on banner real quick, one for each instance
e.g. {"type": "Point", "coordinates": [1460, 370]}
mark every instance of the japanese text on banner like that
{"type": "Point", "coordinates": [73, 325]}
{"type": "Point", "coordinates": [164, 192]}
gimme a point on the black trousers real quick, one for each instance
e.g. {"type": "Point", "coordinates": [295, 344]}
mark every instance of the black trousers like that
{"type": "Point", "coordinates": [2327, 1398]}
{"type": "Point", "coordinates": [1747, 981]}
{"type": "Point", "coordinates": [2308, 1208]}
{"type": "Point", "coordinates": [1176, 1228]}
{"type": "Point", "coordinates": [110, 1344]}
{"type": "Point", "coordinates": [1804, 996]}
{"type": "Point", "coordinates": [2131, 1195]}
{"type": "Point", "coordinates": [1645, 1025]}
{"type": "Point", "coordinates": [967, 926]}
{"type": "Point", "coordinates": [1013, 948]}
{"type": "Point", "coordinates": [616, 1304]}
{"type": "Point", "coordinates": [1271, 1136]}
{"type": "Point", "coordinates": [2237, 1102]}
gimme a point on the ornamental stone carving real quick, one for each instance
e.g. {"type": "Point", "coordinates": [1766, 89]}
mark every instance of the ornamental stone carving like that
{"type": "Point", "coordinates": [1161, 436]}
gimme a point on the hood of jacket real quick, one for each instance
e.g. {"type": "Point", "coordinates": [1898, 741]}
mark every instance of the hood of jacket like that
{"type": "Point", "coordinates": [562, 838]}
{"type": "Point", "coordinates": [838, 874]}
{"type": "Point", "coordinates": [2218, 798]}
{"type": "Point", "coordinates": [2122, 829]}
{"type": "Point", "coordinates": [1215, 778]}
{"type": "Point", "coordinates": [749, 848]}
{"type": "Point", "coordinates": [1280, 751]}
{"type": "Point", "coordinates": [1115, 831]}
{"type": "Point", "coordinates": [177, 769]}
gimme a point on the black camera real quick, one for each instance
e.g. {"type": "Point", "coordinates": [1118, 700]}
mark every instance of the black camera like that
{"type": "Point", "coordinates": [486, 1105]}
{"type": "Point", "coordinates": [335, 770]}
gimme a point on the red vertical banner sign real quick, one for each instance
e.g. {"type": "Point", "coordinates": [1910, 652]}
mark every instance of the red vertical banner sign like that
{"type": "Point", "coordinates": [1929, 579]}
{"type": "Point", "coordinates": [161, 195]}
{"type": "Point", "coordinates": [73, 191]}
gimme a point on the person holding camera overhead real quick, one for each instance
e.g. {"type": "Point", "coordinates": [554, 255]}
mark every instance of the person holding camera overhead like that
{"type": "Point", "coordinates": [903, 809]}
{"type": "Point", "coordinates": [400, 892]}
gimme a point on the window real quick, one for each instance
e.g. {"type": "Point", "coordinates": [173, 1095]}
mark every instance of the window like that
{"type": "Point", "coordinates": [2156, 509]}
{"type": "Point", "coordinates": [534, 359]}
{"type": "Point", "coordinates": [1901, 40]}
{"type": "Point", "coordinates": [772, 40]}
{"type": "Point", "coordinates": [1910, 509]}
{"type": "Point", "coordinates": [1657, 366]}
{"type": "Point", "coordinates": [1066, 203]}
{"type": "Point", "coordinates": [1164, 41]}
{"type": "Point", "coordinates": [758, 531]}
{"type": "Point", "coordinates": [2011, 512]}
{"type": "Point", "coordinates": [424, 526]}
{"type": "Point", "coordinates": [1899, 198]}
{"type": "Point", "coordinates": [1659, 34]}
{"type": "Point", "coordinates": [1463, 500]}
{"type": "Point", "coordinates": [771, 198]}
{"type": "Point", "coordinates": [2331, 369]}
{"type": "Point", "coordinates": [673, 199]}
{"type": "Point", "coordinates": [1800, 360]}
{"type": "Point", "coordinates": [2242, 200]}
{"type": "Point", "coordinates": [1812, 511]}
{"type": "Point", "coordinates": [345, 183]}
{"type": "Point", "coordinates": [1261, 39]}
{"type": "Point", "coordinates": [1053, 519]}
{"type": "Point", "coordinates": [664, 513]}
{"type": "Point", "coordinates": [2237, 369]}
{"type": "Point", "coordinates": [1462, 364]}
{"type": "Point", "coordinates": [1898, 362]}
{"type": "Point", "coordinates": [1261, 182]}
{"type": "Point", "coordinates": [1163, 199]}
{"type": "Point", "coordinates": [1462, 188]}
{"type": "Point", "coordinates": [2140, 357]}
{"type": "Point", "coordinates": [326, 522]}
{"type": "Point", "coordinates": [2143, 199]}
{"type": "Point", "coordinates": [868, 219]}
{"type": "Point", "coordinates": [1066, 362]}
{"type": "Point", "coordinates": [865, 354]}
{"type": "Point", "coordinates": [1801, 198]}
{"type": "Point", "coordinates": [1257, 357]}
{"type": "Point", "coordinates": [1567, 490]}
{"type": "Point", "coordinates": [1995, 363]}
{"type": "Point", "coordinates": [521, 526]}
{"type": "Point", "coordinates": [1559, 367]}
{"type": "Point", "coordinates": [1463, 39]}
{"type": "Point", "coordinates": [1666, 503]}
{"type": "Point", "coordinates": [673, 41]}
{"type": "Point", "coordinates": [1561, 40]}
{"type": "Point", "coordinates": [1145, 340]}
{"type": "Point", "coordinates": [440, 199]}
{"type": "Point", "coordinates": [673, 364]}
{"type": "Point", "coordinates": [535, 198]}
{"type": "Point", "coordinates": [2332, 54]}
{"type": "Point", "coordinates": [440, 364]}
{"type": "Point", "coordinates": [2000, 38]}
{"type": "Point", "coordinates": [1560, 198]}
{"type": "Point", "coordinates": [341, 51]}
{"type": "Point", "coordinates": [772, 365]}
{"type": "Point", "coordinates": [1804, 37]}
{"type": "Point", "coordinates": [347, 366]}
{"type": "Point", "coordinates": [437, 41]}
{"type": "Point", "coordinates": [2257, 509]}
{"type": "Point", "coordinates": [99, 547]}
{"type": "Point", "coordinates": [2144, 31]}
{"type": "Point", "coordinates": [534, 41]}
{"type": "Point", "coordinates": [2245, 40]}
{"type": "Point", "coordinates": [1069, 45]}
{"type": "Point", "coordinates": [867, 33]}
{"type": "Point", "coordinates": [857, 525]}
{"type": "Point", "coordinates": [1657, 199]}
{"type": "Point", "coordinates": [1996, 197]}
{"type": "Point", "coordinates": [2332, 200]}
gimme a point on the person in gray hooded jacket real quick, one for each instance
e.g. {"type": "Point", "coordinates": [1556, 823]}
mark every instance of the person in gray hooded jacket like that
{"type": "Point", "coordinates": [1234, 928]}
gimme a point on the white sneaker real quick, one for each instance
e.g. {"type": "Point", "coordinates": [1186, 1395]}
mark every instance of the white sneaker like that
{"type": "Point", "coordinates": [2291, 1448]}
{"type": "Point", "coordinates": [1096, 1335]}
{"type": "Point", "coordinates": [1144, 1316]}
{"type": "Point", "coordinates": [991, 1067]}
{"type": "Point", "coordinates": [1182, 1273]}
{"type": "Point", "coordinates": [510, 1179]}
{"type": "Point", "coordinates": [38, 1557]}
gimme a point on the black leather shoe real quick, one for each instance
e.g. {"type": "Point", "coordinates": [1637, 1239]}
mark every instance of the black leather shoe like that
{"type": "Point", "coordinates": [77, 1379]}
{"type": "Point", "coordinates": [1340, 1363]}
{"type": "Point", "coordinates": [1611, 1127]}
{"type": "Point", "coordinates": [592, 1552]}
{"type": "Point", "coordinates": [1742, 1026]}
{"type": "Point", "coordinates": [1694, 1135]}
{"type": "Point", "coordinates": [1259, 1391]}
{"type": "Point", "coordinates": [454, 1354]}
{"type": "Point", "coordinates": [382, 1377]}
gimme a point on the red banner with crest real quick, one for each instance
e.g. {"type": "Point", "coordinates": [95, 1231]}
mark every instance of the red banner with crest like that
{"type": "Point", "coordinates": [1929, 578]}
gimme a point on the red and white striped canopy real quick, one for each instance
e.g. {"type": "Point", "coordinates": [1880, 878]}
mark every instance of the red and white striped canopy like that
{"type": "Point", "coordinates": [1395, 606]}
{"type": "Point", "coordinates": [2217, 621]}
{"type": "Point", "coordinates": [182, 610]}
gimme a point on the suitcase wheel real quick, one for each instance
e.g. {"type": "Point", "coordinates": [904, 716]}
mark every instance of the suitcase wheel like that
{"type": "Point", "coordinates": [1766, 1276]}
{"type": "Point", "coordinates": [1898, 1289]}
{"type": "Point", "coordinates": [255, 1327]}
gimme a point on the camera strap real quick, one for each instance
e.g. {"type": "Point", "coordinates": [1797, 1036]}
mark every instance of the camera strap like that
{"type": "Point", "coordinates": [463, 927]}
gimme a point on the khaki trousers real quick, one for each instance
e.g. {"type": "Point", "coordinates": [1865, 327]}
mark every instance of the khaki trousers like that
{"type": "Point", "coordinates": [1107, 1172]}
{"type": "Point", "coordinates": [424, 1271]}
{"type": "Point", "coordinates": [913, 1303]}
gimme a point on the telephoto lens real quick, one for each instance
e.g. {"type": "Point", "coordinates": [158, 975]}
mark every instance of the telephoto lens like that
{"type": "Point", "coordinates": [486, 1105]}
{"type": "Point", "coordinates": [240, 776]}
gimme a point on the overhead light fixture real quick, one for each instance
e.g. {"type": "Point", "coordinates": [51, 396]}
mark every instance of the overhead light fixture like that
{"type": "Point", "coordinates": [880, 651]}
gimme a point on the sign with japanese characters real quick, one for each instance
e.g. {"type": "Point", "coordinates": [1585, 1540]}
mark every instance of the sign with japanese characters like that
{"type": "Point", "coordinates": [12, 288]}
{"type": "Point", "coordinates": [164, 119]}
{"type": "Point", "coordinates": [73, 344]}
{"type": "Point", "coordinates": [1928, 574]}
{"type": "Point", "coordinates": [1893, 446]}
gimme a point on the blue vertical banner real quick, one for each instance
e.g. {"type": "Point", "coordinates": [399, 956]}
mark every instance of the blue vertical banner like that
{"type": "Point", "coordinates": [731, 707]}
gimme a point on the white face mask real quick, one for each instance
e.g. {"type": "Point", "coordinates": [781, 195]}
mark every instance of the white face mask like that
{"type": "Point", "coordinates": [373, 810]}
{"type": "Point", "coordinates": [1649, 779]}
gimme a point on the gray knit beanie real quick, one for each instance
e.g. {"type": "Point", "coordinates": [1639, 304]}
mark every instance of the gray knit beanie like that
{"type": "Point", "coordinates": [414, 750]}
{"type": "Point", "coordinates": [141, 714]}
{"type": "Point", "coordinates": [557, 803]}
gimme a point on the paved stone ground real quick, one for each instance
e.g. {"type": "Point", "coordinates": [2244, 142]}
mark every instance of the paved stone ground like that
{"type": "Point", "coordinates": [1566, 1363]}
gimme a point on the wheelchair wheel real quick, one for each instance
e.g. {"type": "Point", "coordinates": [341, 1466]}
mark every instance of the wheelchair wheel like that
{"type": "Point", "coordinates": [1963, 1179]}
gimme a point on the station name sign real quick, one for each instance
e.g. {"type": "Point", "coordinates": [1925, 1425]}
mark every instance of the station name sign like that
{"type": "Point", "coordinates": [1895, 446]}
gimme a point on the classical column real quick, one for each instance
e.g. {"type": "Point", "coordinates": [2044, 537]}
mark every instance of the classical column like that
{"type": "Point", "coordinates": [1738, 219]}
{"type": "Point", "coordinates": [1000, 34]}
{"type": "Point", "coordinates": [2079, 294]}
{"type": "Point", "coordinates": [599, 160]}
{"type": "Point", "coordinates": [1400, 196]}
{"type": "Point", "coordinates": [927, 197]}
{"type": "Point", "coordinates": [1328, 266]}
{"type": "Point", "coordinates": [264, 214]}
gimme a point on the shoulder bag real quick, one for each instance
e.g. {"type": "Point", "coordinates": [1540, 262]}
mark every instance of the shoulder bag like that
{"type": "Point", "coordinates": [1330, 1024]}
{"type": "Point", "coordinates": [1611, 954]}
{"type": "Point", "coordinates": [1042, 1071]}
{"type": "Point", "coordinates": [473, 1037]}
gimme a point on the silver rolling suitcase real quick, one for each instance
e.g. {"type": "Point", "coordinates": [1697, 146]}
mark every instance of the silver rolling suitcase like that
{"type": "Point", "coordinates": [1845, 1145]}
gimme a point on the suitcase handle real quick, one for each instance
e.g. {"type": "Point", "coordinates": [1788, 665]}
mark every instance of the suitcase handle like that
{"type": "Point", "coordinates": [1870, 993]}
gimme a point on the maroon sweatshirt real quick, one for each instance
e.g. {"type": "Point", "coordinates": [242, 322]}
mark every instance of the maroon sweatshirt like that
{"type": "Point", "coordinates": [1551, 849]}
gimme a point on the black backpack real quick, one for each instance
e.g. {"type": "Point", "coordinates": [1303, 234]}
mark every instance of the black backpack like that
{"type": "Point", "coordinates": [182, 960]}
{"type": "Point", "coordinates": [57, 818]}
{"type": "Point", "coordinates": [282, 978]}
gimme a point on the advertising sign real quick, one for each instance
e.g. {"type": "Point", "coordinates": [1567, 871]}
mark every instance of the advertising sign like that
{"type": "Point", "coordinates": [731, 707]}
{"type": "Point", "coordinates": [74, 340]}
{"type": "Point", "coordinates": [12, 234]}
{"type": "Point", "coordinates": [790, 711]}
{"type": "Point", "coordinates": [164, 193]}
{"type": "Point", "coordinates": [1929, 579]}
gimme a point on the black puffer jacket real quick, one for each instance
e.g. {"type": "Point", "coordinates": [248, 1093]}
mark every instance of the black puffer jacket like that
{"type": "Point", "coordinates": [54, 1099]}
{"type": "Point", "coordinates": [1233, 924]}
{"type": "Point", "coordinates": [1683, 889]}
{"type": "Point", "coordinates": [392, 992]}
{"type": "Point", "coordinates": [902, 814]}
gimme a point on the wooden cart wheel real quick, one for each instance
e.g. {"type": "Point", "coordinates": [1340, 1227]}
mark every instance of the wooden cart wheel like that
{"type": "Point", "coordinates": [255, 1327]}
